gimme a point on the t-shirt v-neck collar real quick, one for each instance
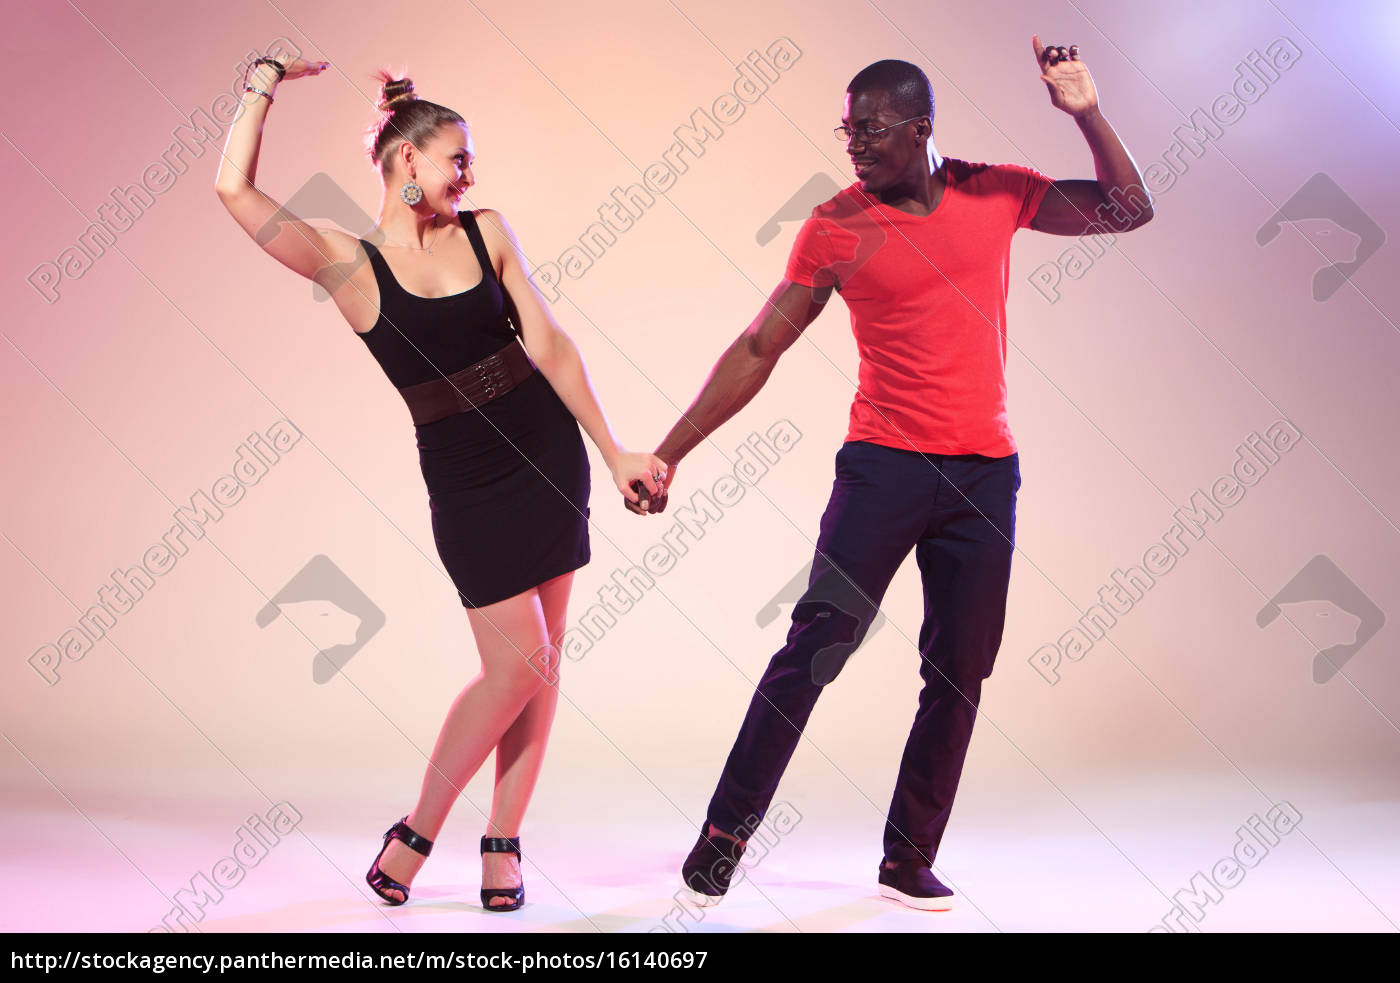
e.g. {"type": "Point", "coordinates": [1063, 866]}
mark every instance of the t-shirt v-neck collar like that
{"type": "Point", "coordinates": [942, 206]}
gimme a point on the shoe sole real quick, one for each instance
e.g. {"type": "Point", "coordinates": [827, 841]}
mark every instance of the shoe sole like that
{"type": "Point", "coordinates": [698, 899]}
{"type": "Point", "coordinates": [911, 901]}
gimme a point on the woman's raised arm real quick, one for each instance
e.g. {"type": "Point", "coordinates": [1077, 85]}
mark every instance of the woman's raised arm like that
{"type": "Point", "coordinates": [293, 243]}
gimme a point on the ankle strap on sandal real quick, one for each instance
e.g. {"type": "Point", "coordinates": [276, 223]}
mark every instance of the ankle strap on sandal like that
{"type": "Point", "coordinates": [500, 844]}
{"type": "Point", "coordinates": [402, 832]}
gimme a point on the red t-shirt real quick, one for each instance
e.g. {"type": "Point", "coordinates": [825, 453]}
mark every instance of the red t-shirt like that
{"type": "Point", "coordinates": [927, 297]}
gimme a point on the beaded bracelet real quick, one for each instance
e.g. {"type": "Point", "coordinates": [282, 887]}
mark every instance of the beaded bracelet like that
{"type": "Point", "coordinates": [277, 66]}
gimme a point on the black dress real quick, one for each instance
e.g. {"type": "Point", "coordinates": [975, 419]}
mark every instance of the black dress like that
{"type": "Point", "coordinates": [508, 482]}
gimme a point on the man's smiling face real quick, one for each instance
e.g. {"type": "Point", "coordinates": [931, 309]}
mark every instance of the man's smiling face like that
{"type": "Point", "coordinates": [888, 158]}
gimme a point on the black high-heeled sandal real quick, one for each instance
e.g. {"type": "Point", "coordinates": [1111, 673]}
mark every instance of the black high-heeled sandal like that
{"type": "Point", "coordinates": [379, 881]}
{"type": "Point", "coordinates": [516, 895]}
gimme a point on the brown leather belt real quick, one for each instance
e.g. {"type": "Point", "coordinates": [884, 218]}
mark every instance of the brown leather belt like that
{"type": "Point", "coordinates": [466, 390]}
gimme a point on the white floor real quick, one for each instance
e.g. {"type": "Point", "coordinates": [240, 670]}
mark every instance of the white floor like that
{"type": "Point", "coordinates": [1112, 861]}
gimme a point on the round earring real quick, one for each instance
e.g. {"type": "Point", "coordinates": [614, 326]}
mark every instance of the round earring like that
{"type": "Point", "coordinates": [411, 193]}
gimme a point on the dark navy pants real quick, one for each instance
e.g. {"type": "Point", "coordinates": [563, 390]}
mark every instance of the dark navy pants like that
{"type": "Point", "coordinates": [958, 514]}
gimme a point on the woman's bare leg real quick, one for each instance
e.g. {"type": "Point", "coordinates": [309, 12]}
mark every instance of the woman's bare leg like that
{"type": "Point", "coordinates": [508, 634]}
{"type": "Point", "coordinates": [520, 753]}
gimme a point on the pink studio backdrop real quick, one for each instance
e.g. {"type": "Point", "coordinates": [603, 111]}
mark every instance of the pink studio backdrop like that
{"type": "Point", "coordinates": [130, 386]}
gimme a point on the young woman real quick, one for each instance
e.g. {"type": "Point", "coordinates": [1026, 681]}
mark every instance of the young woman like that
{"type": "Point", "coordinates": [444, 304]}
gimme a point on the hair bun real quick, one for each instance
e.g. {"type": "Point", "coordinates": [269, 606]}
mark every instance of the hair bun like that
{"type": "Point", "coordinates": [396, 93]}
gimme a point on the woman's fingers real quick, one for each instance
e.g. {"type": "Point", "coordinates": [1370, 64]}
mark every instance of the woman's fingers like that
{"type": "Point", "coordinates": [300, 67]}
{"type": "Point", "coordinates": [648, 485]}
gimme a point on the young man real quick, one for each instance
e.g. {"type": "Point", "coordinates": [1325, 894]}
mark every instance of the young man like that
{"type": "Point", "coordinates": [919, 249]}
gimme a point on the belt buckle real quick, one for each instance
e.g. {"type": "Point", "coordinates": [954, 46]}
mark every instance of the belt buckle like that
{"type": "Point", "coordinates": [488, 370]}
{"type": "Point", "coordinates": [481, 375]}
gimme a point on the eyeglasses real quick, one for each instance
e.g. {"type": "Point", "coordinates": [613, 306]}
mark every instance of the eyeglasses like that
{"type": "Point", "coordinates": [865, 133]}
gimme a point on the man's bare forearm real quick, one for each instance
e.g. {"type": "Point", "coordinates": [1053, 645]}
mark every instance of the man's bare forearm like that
{"type": "Point", "coordinates": [1118, 177]}
{"type": "Point", "coordinates": [738, 375]}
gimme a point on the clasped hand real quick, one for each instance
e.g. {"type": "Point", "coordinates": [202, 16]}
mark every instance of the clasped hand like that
{"type": "Point", "coordinates": [642, 479]}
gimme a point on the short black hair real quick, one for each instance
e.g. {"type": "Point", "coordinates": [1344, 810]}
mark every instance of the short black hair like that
{"type": "Point", "coordinates": [907, 85]}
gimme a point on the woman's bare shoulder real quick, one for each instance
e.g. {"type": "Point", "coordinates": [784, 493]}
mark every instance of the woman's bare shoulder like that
{"type": "Point", "coordinates": [493, 223]}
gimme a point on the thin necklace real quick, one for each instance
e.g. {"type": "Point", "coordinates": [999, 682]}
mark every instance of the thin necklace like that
{"type": "Point", "coordinates": [404, 245]}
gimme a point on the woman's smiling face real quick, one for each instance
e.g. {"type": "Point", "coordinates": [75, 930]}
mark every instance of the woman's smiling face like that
{"type": "Point", "coordinates": [450, 157]}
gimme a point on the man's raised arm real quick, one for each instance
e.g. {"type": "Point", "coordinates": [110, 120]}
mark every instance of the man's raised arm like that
{"type": "Point", "coordinates": [739, 374]}
{"type": "Point", "coordinates": [1116, 200]}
